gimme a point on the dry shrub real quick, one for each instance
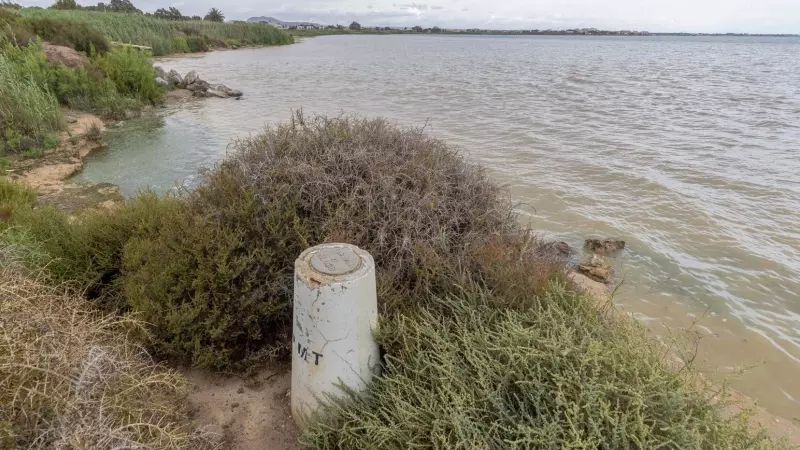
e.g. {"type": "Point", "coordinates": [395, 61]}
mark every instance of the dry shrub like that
{"type": "Point", "coordinates": [463, 373]}
{"type": "Point", "coordinates": [217, 281]}
{"type": "Point", "coordinates": [71, 379]}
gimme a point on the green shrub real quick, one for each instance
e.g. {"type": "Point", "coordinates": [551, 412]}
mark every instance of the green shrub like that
{"type": "Point", "coordinates": [88, 89]}
{"type": "Point", "coordinates": [32, 153]}
{"type": "Point", "coordinates": [216, 283]}
{"type": "Point", "coordinates": [557, 374]}
{"type": "Point", "coordinates": [87, 250]}
{"type": "Point", "coordinates": [65, 32]}
{"type": "Point", "coordinates": [198, 44]}
{"type": "Point", "coordinates": [15, 195]}
{"type": "Point", "coordinates": [131, 72]}
{"type": "Point", "coordinates": [50, 141]}
{"type": "Point", "coordinates": [180, 45]}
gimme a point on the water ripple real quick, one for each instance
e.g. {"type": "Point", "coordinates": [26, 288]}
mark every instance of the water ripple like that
{"type": "Point", "coordinates": [686, 147]}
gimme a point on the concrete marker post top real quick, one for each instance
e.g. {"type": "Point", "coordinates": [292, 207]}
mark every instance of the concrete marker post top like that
{"type": "Point", "coordinates": [335, 315]}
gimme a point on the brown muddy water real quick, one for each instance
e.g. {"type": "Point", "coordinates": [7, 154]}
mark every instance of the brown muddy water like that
{"type": "Point", "coordinates": [688, 148]}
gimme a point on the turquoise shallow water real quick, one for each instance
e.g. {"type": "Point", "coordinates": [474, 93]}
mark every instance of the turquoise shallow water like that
{"type": "Point", "coordinates": [685, 147]}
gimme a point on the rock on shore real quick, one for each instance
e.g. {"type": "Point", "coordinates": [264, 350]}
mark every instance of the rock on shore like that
{"type": "Point", "coordinates": [195, 84]}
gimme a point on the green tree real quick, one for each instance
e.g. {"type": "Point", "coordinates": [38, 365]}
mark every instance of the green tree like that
{"type": "Point", "coordinates": [9, 5]}
{"type": "Point", "coordinates": [436, 30]}
{"type": "Point", "coordinates": [122, 6]}
{"type": "Point", "coordinates": [417, 29]}
{"type": "Point", "coordinates": [215, 15]}
{"type": "Point", "coordinates": [355, 26]}
{"type": "Point", "coordinates": [169, 14]}
{"type": "Point", "coordinates": [66, 4]}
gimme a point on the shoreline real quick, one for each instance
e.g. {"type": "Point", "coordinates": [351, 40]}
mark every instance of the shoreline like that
{"type": "Point", "coordinates": [68, 158]}
{"type": "Point", "coordinates": [776, 425]}
{"type": "Point", "coordinates": [50, 174]}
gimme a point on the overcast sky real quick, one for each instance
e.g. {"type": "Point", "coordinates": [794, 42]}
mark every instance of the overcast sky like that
{"type": "Point", "coordinates": [755, 16]}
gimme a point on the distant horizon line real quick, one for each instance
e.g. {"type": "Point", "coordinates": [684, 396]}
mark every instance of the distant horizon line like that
{"type": "Point", "coordinates": [583, 30]}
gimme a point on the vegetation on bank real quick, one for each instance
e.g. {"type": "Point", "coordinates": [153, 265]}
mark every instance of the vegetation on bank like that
{"type": "Point", "coordinates": [486, 343]}
{"type": "Point", "coordinates": [112, 83]}
{"type": "Point", "coordinates": [168, 36]}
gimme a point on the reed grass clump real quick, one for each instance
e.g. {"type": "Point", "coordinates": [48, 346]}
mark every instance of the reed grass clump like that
{"type": "Point", "coordinates": [26, 107]}
{"type": "Point", "coordinates": [167, 36]}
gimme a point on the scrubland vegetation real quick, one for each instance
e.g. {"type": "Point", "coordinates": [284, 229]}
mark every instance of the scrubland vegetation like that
{"type": "Point", "coordinates": [486, 343]}
{"type": "Point", "coordinates": [112, 83]}
{"type": "Point", "coordinates": [168, 36]}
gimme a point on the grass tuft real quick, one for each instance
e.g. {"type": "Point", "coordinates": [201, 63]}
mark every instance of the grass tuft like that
{"type": "Point", "coordinates": [462, 373]}
{"type": "Point", "coordinates": [70, 378]}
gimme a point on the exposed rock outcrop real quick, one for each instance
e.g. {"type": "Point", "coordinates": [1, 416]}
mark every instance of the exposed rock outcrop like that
{"type": "Point", "coordinates": [160, 73]}
{"type": "Point", "coordinates": [604, 246]}
{"type": "Point", "coordinates": [191, 78]}
{"type": "Point", "coordinates": [174, 78]}
{"type": "Point", "coordinates": [598, 269]}
{"type": "Point", "coordinates": [195, 84]}
{"type": "Point", "coordinates": [58, 54]}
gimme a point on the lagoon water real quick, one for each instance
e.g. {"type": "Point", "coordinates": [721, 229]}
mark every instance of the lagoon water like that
{"type": "Point", "coordinates": [686, 147]}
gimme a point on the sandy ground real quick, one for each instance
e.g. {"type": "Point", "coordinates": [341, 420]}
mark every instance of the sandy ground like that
{"type": "Point", "coordinates": [250, 414]}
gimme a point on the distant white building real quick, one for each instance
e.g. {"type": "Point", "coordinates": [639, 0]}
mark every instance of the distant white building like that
{"type": "Point", "coordinates": [282, 24]}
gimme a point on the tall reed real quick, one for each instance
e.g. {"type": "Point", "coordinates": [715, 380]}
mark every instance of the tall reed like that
{"type": "Point", "coordinates": [166, 36]}
{"type": "Point", "coordinates": [26, 107]}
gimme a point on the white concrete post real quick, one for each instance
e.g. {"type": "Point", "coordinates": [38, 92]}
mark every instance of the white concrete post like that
{"type": "Point", "coordinates": [335, 314]}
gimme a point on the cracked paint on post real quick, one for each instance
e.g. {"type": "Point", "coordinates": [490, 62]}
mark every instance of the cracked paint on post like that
{"type": "Point", "coordinates": [335, 315]}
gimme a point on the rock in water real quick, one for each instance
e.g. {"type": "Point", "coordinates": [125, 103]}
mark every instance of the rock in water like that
{"type": "Point", "coordinates": [597, 269]}
{"type": "Point", "coordinates": [604, 246]}
{"type": "Point", "coordinates": [191, 77]}
{"type": "Point", "coordinates": [175, 79]}
{"type": "Point", "coordinates": [198, 86]}
{"type": "Point", "coordinates": [160, 73]}
{"type": "Point", "coordinates": [162, 82]}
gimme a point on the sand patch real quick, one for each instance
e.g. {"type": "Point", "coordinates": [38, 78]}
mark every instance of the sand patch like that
{"type": "Point", "coordinates": [250, 414]}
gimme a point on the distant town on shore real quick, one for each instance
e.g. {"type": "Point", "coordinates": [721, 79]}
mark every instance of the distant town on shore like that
{"type": "Point", "coordinates": [355, 26]}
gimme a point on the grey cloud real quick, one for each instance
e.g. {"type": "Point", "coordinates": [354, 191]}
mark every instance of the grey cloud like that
{"type": "Point", "coordinates": [414, 6]}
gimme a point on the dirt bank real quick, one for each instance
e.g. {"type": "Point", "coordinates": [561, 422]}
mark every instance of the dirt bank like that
{"type": "Point", "coordinates": [250, 414]}
{"type": "Point", "coordinates": [48, 174]}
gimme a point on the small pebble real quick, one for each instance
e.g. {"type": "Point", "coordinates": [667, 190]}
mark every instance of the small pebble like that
{"type": "Point", "coordinates": [240, 391]}
{"type": "Point", "coordinates": [235, 405]}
